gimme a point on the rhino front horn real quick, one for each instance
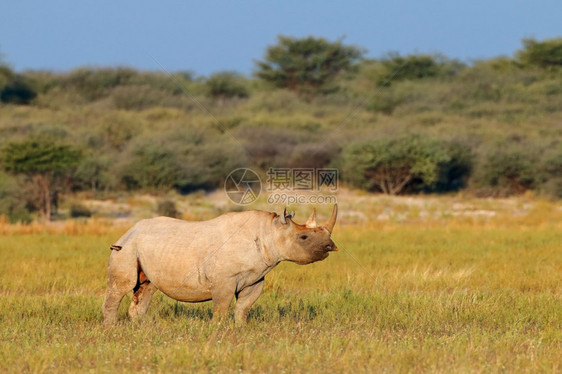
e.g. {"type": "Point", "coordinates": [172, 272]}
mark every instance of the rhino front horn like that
{"type": "Point", "coordinates": [332, 221]}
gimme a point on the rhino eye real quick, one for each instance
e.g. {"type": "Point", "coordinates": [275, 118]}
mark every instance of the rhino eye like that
{"type": "Point", "coordinates": [304, 237]}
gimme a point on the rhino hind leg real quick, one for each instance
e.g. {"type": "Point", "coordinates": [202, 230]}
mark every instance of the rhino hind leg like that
{"type": "Point", "coordinates": [141, 299]}
{"type": "Point", "coordinates": [113, 297]}
{"type": "Point", "coordinates": [122, 278]}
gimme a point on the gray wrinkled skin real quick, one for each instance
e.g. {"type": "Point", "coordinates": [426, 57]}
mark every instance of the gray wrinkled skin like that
{"type": "Point", "coordinates": [217, 260]}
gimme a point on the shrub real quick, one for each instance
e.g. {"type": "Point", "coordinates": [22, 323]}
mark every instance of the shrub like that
{"type": "Point", "coordinates": [544, 54]}
{"type": "Point", "coordinates": [509, 168]}
{"type": "Point", "coordinates": [93, 172]}
{"type": "Point", "coordinates": [418, 67]}
{"type": "Point", "coordinates": [552, 170]}
{"type": "Point", "coordinates": [169, 84]}
{"type": "Point", "coordinates": [454, 174]}
{"type": "Point", "coordinates": [171, 161]}
{"type": "Point", "coordinates": [93, 84]}
{"type": "Point", "coordinates": [12, 200]}
{"type": "Point", "coordinates": [227, 85]}
{"type": "Point", "coordinates": [167, 208]}
{"type": "Point", "coordinates": [17, 91]}
{"type": "Point", "coordinates": [312, 155]}
{"type": "Point", "coordinates": [268, 146]}
{"type": "Point", "coordinates": [78, 210]}
{"type": "Point", "coordinates": [391, 165]}
{"type": "Point", "coordinates": [6, 75]}
{"type": "Point", "coordinates": [137, 97]}
{"type": "Point", "coordinates": [206, 165]}
{"type": "Point", "coordinates": [387, 99]}
{"type": "Point", "coordinates": [151, 166]}
{"type": "Point", "coordinates": [280, 100]}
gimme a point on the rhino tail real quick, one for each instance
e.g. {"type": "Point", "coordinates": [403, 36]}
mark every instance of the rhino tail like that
{"type": "Point", "coordinates": [123, 240]}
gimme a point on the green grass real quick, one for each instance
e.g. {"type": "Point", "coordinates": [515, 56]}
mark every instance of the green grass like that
{"type": "Point", "coordinates": [398, 297]}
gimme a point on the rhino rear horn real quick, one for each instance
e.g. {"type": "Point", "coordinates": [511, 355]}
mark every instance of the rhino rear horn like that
{"type": "Point", "coordinates": [332, 221]}
{"type": "Point", "coordinates": [311, 221]}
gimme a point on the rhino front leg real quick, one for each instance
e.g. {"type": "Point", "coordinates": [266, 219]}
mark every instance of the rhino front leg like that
{"type": "Point", "coordinates": [244, 301]}
{"type": "Point", "coordinates": [222, 296]}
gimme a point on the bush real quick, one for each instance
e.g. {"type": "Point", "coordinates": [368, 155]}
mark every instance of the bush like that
{"type": "Point", "coordinates": [387, 99]}
{"type": "Point", "coordinates": [12, 200]}
{"type": "Point", "coordinates": [544, 54]}
{"type": "Point", "coordinates": [169, 84]}
{"type": "Point", "coordinates": [552, 170]}
{"type": "Point", "coordinates": [152, 165]}
{"type": "Point", "coordinates": [93, 172]}
{"type": "Point", "coordinates": [78, 210]}
{"type": "Point", "coordinates": [92, 84]}
{"type": "Point", "coordinates": [312, 155]}
{"type": "Point", "coordinates": [207, 165]}
{"type": "Point", "coordinates": [17, 91]}
{"type": "Point", "coordinates": [167, 208]}
{"type": "Point", "coordinates": [268, 146]}
{"type": "Point", "coordinates": [137, 97]}
{"type": "Point", "coordinates": [454, 174]}
{"type": "Point", "coordinates": [6, 75]}
{"type": "Point", "coordinates": [280, 100]}
{"type": "Point", "coordinates": [418, 67]}
{"type": "Point", "coordinates": [15, 210]}
{"type": "Point", "coordinates": [171, 161]}
{"type": "Point", "coordinates": [509, 169]}
{"type": "Point", "coordinates": [227, 85]}
{"type": "Point", "coordinates": [392, 165]}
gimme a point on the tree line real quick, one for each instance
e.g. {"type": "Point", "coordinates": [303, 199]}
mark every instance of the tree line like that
{"type": "Point", "coordinates": [397, 124]}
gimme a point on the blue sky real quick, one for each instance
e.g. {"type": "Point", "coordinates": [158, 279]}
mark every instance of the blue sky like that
{"type": "Point", "coordinates": [211, 36]}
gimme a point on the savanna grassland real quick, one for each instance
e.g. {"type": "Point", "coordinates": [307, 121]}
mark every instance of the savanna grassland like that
{"type": "Point", "coordinates": [463, 292]}
{"type": "Point", "coordinates": [461, 273]}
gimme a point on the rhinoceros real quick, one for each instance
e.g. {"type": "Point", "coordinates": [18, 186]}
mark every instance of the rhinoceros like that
{"type": "Point", "coordinates": [218, 259]}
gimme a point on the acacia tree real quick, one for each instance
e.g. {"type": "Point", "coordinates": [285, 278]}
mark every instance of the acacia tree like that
{"type": "Point", "coordinates": [306, 65]}
{"type": "Point", "coordinates": [390, 164]}
{"type": "Point", "coordinates": [544, 54]}
{"type": "Point", "coordinates": [44, 163]}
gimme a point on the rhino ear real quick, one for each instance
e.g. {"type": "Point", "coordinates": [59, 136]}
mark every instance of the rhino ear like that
{"type": "Point", "coordinates": [311, 222]}
{"type": "Point", "coordinates": [285, 216]}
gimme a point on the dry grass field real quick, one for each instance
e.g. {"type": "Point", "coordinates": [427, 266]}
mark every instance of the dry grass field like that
{"type": "Point", "coordinates": [416, 287]}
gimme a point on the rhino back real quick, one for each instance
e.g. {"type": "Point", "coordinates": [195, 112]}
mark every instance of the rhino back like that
{"type": "Point", "coordinates": [183, 259]}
